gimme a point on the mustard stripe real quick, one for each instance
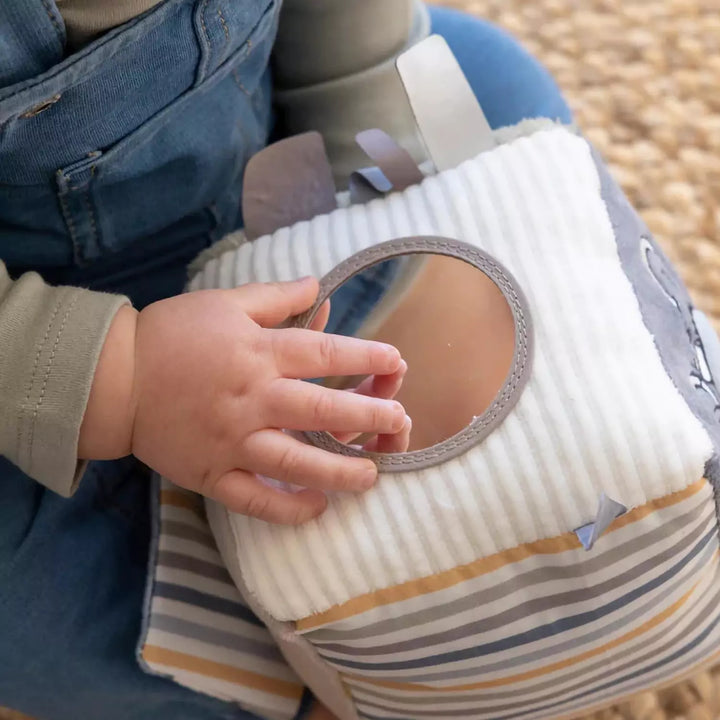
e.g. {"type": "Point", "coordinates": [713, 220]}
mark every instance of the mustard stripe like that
{"type": "Point", "coordinates": [219, 671]}
{"type": "Point", "coordinates": [186, 501]}
{"type": "Point", "coordinates": [546, 670]}
{"type": "Point", "coordinates": [481, 566]}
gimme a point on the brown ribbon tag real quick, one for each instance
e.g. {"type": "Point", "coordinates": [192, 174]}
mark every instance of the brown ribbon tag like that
{"type": "Point", "coordinates": [285, 183]}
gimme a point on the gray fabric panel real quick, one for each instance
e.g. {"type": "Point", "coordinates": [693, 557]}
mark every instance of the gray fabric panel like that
{"type": "Point", "coordinates": [671, 324]}
{"type": "Point", "coordinates": [521, 582]}
{"type": "Point", "coordinates": [212, 636]}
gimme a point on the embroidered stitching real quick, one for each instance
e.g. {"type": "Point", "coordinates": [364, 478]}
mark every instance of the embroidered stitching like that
{"type": "Point", "coordinates": [31, 382]}
{"type": "Point", "coordinates": [48, 369]}
{"type": "Point", "coordinates": [224, 24]}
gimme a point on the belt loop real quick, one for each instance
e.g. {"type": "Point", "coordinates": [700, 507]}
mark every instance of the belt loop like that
{"type": "Point", "coordinates": [32, 34]}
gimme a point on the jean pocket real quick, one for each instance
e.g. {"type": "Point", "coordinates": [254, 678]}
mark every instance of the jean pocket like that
{"type": "Point", "coordinates": [183, 165]}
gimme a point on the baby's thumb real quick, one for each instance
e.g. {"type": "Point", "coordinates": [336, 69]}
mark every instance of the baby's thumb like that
{"type": "Point", "coordinates": [269, 304]}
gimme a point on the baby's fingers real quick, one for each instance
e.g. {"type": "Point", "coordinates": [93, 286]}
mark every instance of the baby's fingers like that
{"type": "Point", "coordinates": [379, 386]}
{"type": "Point", "coordinates": [299, 405]}
{"type": "Point", "coordinates": [282, 457]}
{"type": "Point", "coordinates": [246, 494]}
{"type": "Point", "coordinates": [269, 304]}
{"type": "Point", "coordinates": [396, 443]}
{"type": "Point", "coordinates": [307, 354]}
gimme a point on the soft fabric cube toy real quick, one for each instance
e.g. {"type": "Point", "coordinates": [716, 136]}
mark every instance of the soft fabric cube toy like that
{"type": "Point", "coordinates": [558, 553]}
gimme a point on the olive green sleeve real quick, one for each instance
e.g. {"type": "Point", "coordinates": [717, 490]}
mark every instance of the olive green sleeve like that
{"type": "Point", "coordinates": [334, 63]}
{"type": "Point", "coordinates": [50, 342]}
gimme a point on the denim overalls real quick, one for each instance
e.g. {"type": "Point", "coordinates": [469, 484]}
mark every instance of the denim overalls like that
{"type": "Point", "coordinates": [118, 164]}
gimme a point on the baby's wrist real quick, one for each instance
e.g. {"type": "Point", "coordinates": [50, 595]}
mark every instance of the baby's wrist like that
{"type": "Point", "coordinates": [106, 431]}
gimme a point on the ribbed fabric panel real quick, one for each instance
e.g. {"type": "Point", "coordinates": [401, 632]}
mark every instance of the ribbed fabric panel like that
{"type": "Point", "coordinates": [598, 414]}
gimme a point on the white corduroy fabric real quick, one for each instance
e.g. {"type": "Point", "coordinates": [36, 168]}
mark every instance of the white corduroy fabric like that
{"type": "Point", "coordinates": [598, 414]}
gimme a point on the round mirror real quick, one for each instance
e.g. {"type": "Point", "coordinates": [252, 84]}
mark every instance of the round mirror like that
{"type": "Point", "coordinates": [460, 323]}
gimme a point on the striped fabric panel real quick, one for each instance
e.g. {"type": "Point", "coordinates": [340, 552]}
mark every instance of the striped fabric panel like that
{"type": "Point", "coordinates": [199, 630]}
{"type": "Point", "coordinates": [541, 630]}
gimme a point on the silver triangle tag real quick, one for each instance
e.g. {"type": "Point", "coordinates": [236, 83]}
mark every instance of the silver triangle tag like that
{"type": "Point", "coordinates": [608, 510]}
{"type": "Point", "coordinates": [446, 110]}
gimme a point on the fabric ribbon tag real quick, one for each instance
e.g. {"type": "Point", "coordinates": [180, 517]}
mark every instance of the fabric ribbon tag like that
{"type": "Point", "coordinates": [446, 110]}
{"type": "Point", "coordinates": [608, 510]}
{"type": "Point", "coordinates": [287, 182]}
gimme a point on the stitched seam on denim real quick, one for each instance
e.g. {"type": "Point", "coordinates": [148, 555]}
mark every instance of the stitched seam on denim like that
{"type": "Point", "coordinates": [31, 381]}
{"type": "Point", "coordinates": [224, 24]}
{"type": "Point", "coordinates": [204, 61]}
{"type": "Point", "coordinates": [238, 83]}
{"type": "Point", "coordinates": [48, 369]}
{"type": "Point", "coordinates": [69, 222]}
{"type": "Point", "coordinates": [90, 207]}
{"type": "Point", "coordinates": [55, 23]}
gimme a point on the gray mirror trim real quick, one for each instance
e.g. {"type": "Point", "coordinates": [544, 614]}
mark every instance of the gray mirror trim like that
{"type": "Point", "coordinates": [513, 385]}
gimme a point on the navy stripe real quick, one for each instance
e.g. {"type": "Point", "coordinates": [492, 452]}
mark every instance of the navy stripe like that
{"type": "Point", "coordinates": [170, 591]}
{"type": "Point", "coordinates": [539, 633]}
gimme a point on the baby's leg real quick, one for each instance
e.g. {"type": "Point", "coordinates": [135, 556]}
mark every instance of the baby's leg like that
{"type": "Point", "coordinates": [72, 581]}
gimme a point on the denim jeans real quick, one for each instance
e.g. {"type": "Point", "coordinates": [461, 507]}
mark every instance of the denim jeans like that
{"type": "Point", "coordinates": [117, 165]}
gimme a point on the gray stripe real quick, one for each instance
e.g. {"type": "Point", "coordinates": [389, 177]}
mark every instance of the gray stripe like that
{"type": "Point", "coordinates": [557, 627]}
{"type": "Point", "coordinates": [516, 586]}
{"type": "Point", "coordinates": [572, 572]}
{"type": "Point", "coordinates": [586, 674]}
{"type": "Point", "coordinates": [233, 641]}
{"type": "Point", "coordinates": [193, 565]}
{"type": "Point", "coordinates": [187, 532]}
{"type": "Point", "coordinates": [182, 593]}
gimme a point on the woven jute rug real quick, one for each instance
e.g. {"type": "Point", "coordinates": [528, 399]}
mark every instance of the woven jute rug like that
{"type": "Point", "coordinates": [643, 77]}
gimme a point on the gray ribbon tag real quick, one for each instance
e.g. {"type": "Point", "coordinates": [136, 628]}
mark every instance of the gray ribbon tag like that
{"type": "Point", "coordinates": [285, 183]}
{"type": "Point", "coordinates": [446, 110]}
{"type": "Point", "coordinates": [608, 510]}
{"type": "Point", "coordinates": [395, 162]}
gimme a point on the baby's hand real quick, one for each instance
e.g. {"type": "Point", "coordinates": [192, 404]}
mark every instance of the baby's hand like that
{"type": "Point", "coordinates": [202, 392]}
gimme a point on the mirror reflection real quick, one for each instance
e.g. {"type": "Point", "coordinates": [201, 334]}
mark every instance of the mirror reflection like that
{"type": "Point", "coordinates": [453, 327]}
